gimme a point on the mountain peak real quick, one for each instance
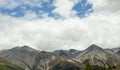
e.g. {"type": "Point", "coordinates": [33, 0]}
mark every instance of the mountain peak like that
{"type": "Point", "coordinates": [24, 47]}
{"type": "Point", "coordinates": [94, 47]}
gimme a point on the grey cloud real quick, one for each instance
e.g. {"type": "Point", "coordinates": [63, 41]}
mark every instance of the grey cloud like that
{"type": "Point", "coordinates": [106, 5]}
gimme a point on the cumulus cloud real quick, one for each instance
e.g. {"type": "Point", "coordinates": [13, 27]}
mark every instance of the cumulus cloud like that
{"type": "Point", "coordinates": [64, 8]}
{"type": "Point", "coordinates": [8, 4]}
{"type": "Point", "coordinates": [51, 34]}
{"type": "Point", "coordinates": [72, 32]}
{"type": "Point", "coordinates": [29, 15]}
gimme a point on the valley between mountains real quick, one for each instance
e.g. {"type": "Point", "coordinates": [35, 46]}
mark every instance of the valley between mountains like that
{"type": "Point", "coordinates": [92, 58]}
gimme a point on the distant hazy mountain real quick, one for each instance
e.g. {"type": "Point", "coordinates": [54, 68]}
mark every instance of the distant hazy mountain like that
{"type": "Point", "coordinates": [118, 52]}
{"type": "Point", "coordinates": [113, 51]}
{"type": "Point", "coordinates": [67, 53]}
{"type": "Point", "coordinates": [32, 59]}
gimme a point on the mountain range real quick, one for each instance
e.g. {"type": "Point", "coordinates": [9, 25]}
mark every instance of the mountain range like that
{"type": "Point", "coordinates": [92, 58]}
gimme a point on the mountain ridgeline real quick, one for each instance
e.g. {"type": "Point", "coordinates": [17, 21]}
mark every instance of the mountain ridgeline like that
{"type": "Point", "coordinates": [92, 58]}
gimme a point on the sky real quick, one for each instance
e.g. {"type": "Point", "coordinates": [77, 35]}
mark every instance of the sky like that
{"type": "Point", "coordinates": [59, 24]}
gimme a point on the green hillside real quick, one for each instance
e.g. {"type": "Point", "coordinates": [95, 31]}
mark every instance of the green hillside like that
{"type": "Point", "coordinates": [6, 67]}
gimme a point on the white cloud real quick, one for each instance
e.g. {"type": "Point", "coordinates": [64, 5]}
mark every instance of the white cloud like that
{"type": "Point", "coordinates": [72, 32]}
{"type": "Point", "coordinates": [50, 34]}
{"type": "Point", "coordinates": [64, 8]}
{"type": "Point", "coordinates": [8, 4]}
{"type": "Point", "coordinates": [106, 5]}
{"type": "Point", "coordinates": [29, 15]}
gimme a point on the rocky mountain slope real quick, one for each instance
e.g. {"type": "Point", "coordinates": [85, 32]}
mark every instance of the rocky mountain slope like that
{"type": "Point", "coordinates": [98, 56]}
{"type": "Point", "coordinates": [32, 59]}
{"type": "Point", "coordinates": [65, 64]}
{"type": "Point", "coordinates": [18, 55]}
{"type": "Point", "coordinates": [91, 52]}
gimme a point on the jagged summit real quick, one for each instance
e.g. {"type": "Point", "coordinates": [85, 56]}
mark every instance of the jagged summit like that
{"type": "Point", "coordinates": [94, 47]}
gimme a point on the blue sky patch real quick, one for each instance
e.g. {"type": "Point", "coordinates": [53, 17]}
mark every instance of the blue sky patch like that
{"type": "Point", "coordinates": [82, 8]}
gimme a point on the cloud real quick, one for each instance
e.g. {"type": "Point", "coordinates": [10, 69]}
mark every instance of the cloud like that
{"type": "Point", "coordinates": [51, 34]}
{"type": "Point", "coordinates": [64, 8]}
{"type": "Point", "coordinates": [8, 4]}
{"type": "Point", "coordinates": [29, 15]}
{"type": "Point", "coordinates": [106, 5]}
{"type": "Point", "coordinates": [72, 32]}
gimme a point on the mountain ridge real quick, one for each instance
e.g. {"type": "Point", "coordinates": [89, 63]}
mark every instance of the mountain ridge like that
{"type": "Point", "coordinates": [33, 59]}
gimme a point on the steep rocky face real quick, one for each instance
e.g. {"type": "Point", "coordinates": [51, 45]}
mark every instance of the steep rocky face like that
{"type": "Point", "coordinates": [42, 60]}
{"type": "Point", "coordinates": [95, 61]}
{"type": "Point", "coordinates": [113, 61]}
{"type": "Point", "coordinates": [67, 53]}
{"type": "Point", "coordinates": [65, 64]}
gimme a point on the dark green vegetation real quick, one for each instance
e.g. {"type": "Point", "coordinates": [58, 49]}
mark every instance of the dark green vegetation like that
{"type": "Point", "coordinates": [88, 67]}
{"type": "Point", "coordinates": [95, 67]}
{"type": "Point", "coordinates": [7, 67]}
